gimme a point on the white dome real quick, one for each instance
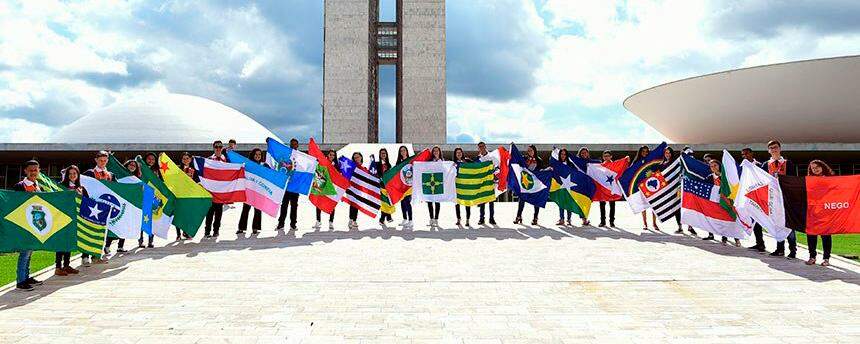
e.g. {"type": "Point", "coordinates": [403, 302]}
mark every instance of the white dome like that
{"type": "Point", "coordinates": [163, 118]}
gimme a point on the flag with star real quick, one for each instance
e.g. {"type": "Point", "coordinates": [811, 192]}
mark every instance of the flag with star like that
{"type": "Point", "coordinates": [92, 219]}
{"type": "Point", "coordinates": [570, 188]}
{"type": "Point", "coordinates": [44, 221]}
{"type": "Point", "coordinates": [701, 202]}
{"type": "Point", "coordinates": [192, 200]}
{"type": "Point", "coordinates": [160, 203]}
{"type": "Point", "coordinates": [529, 186]}
{"type": "Point", "coordinates": [434, 181]}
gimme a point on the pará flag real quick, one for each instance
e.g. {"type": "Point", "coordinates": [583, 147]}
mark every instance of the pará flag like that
{"type": "Point", "coordinates": [364, 191]}
{"type": "Point", "coordinates": [264, 187]}
{"type": "Point", "coordinates": [700, 202]}
{"type": "Point", "coordinates": [605, 177]}
{"type": "Point", "coordinates": [759, 197]}
{"type": "Point", "coordinates": [92, 218]}
{"type": "Point", "coordinates": [161, 204]}
{"type": "Point", "coordinates": [822, 205]}
{"type": "Point", "coordinates": [475, 183]}
{"type": "Point", "coordinates": [435, 181]}
{"type": "Point", "coordinates": [662, 190]}
{"type": "Point", "coordinates": [192, 200]}
{"type": "Point", "coordinates": [224, 180]}
{"type": "Point", "coordinates": [639, 170]}
{"type": "Point", "coordinates": [299, 167]}
{"type": "Point", "coordinates": [570, 189]}
{"type": "Point", "coordinates": [531, 187]}
{"type": "Point", "coordinates": [501, 159]}
{"type": "Point", "coordinates": [45, 221]}
{"type": "Point", "coordinates": [398, 179]}
{"type": "Point", "coordinates": [126, 200]}
{"type": "Point", "coordinates": [329, 185]}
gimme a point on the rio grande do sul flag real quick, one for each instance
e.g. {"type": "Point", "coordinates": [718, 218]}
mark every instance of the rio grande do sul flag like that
{"type": "Point", "coordinates": [434, 181]}
{"type": "Point", "coordinates": [822, 205]}
{"type": "Point", "coordinates": [329, 185]}
{"type": "Point", "coordinates": [759, 197]}
{"type": "Point", "coordinates": [192, 200]}
{"type": "Point", "coordinates": [38, 221]}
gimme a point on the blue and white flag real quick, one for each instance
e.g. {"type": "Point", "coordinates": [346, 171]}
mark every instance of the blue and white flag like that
{"type": "Point", "coordinates": [264, 187]}
{"type": "Point", "coordinates": [299, 167]}
{"type": "Point", "coordinates": [149, 201]}
{"type": "Point", "coordinates": [531, 187]}
{"type": "Point", "coordinates": [346, 167]}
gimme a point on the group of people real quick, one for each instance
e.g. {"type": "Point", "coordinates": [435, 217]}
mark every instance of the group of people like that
{"type": "Point", "coordinates": [775, 165]}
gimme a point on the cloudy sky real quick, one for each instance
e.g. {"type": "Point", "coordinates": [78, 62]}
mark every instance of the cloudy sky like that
{"type": "Point", "coordinates": [560, 68]}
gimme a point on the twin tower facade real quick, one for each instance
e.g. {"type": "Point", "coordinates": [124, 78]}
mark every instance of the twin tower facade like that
{"type": "Point", "coordinates": [356, 43]}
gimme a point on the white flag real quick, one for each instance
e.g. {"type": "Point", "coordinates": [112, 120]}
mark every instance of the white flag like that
{"type": "Point", "coordinates": [760, 198]}
{"type": "Point", "coordinates": [434, 181]}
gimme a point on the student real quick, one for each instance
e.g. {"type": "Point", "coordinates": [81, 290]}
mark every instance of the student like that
{"type": "Point", "coordinates": [213, 217]}
{"type": "Point", "coordinates": [100, 172]}
{"type": "Point", "coordinates": [291, 199]}
{"type": "Point", "coordinates": [332, 156]}
{"type": "Point", "coordinates": [406, 202]}
{"type": "Point", "coordinates": [151, 161]}
{"type": "Point", "coordinates": [777, 165]}
{"type": "Point", "coordinates": [819, 168]}
{"type": "Point", "coordinates": [231, 144]}
{"type": "Point", "coordinates": [482, 151]}
{"type": "Point", "coordinates": [533, 163]}
{"type": "Point", "coordinates": [460, 158]}
{"type": "Point", "coordinates": [186, 166]}
{"type": "Point", "coordinates": [562, 158]}
{"type": "Point", "coordinates": [71, 180]}
{"type": "Point", "coordinates": [607, 159]}
{"type": "Point", "coordinates": [433, 207]}
{"type": "Point", "coordinates": [583, 154]}
{"type": "Point", "coordinates": [256, 156]}
{"type": "Point", "coordinates": [668, 158]}
{"type": "Point", "coordinates": [641, 155]}
{"type": "Point", "coordinates": [380, 167]}
{"type": "Point", "coordinates": [28, 184]}
{"type": "Point", "coordinates": [358, 159]}
{"type": "Point", "coordinates": [747, 154]}
{"type": "Point", "coordinates": [715, 165]}
{"type": "Point", "coordinates": [707, 158]}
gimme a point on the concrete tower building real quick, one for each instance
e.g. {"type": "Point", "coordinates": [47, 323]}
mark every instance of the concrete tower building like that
{"type": "Point", "coordinates": [357, 43]}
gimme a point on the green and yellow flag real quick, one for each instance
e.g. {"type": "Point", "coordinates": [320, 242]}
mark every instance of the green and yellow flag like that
{"type": "Point", "coordinates": [475, 183]}
{"type": "Point", "coordinates": [192, 200]}
{"type": "Point", "coordinates": [47, 184]}
{"type": "Point", "coordinates": [92, 221]}
{"type": "Point", "coordinates": [45, 221]}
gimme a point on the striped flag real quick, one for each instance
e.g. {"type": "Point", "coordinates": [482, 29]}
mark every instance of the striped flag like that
{"type": "Point", "coordinates": [474, 183]}
{"type": "Point", "coordinates": [662, 190]}
{"type": "Point", "coordinates": [364, 191]}
{"type": "Point", "coordinates": [224, 180]}
{"type": "Point", "coordinates": [92, 218]}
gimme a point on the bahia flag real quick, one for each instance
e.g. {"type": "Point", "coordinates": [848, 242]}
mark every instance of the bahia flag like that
{"type": "Point", "coordinates": [92, 219]}
{"type": "Point", "coordinates": [604, 175]}
{"type": "Point", "coordinates": [571, 189]}
{"type": "Point", "coordinates": [264, 187]}
{"type": "Point", "coordinates": [45, 221]}
{"type": "Point", "coordinates": [158, 201]}
{"type": "Point", "coordinates": [822, 205]}
{"type": "Point", "coordinates": [192, 200]}
{"type": "Point", "coordinates": [475, 183]}
{"type": "Point", "coordinates": [224, 180]}
{"type": "Point", "coordinates": [299, 167]}
{"type": "Point", "coordinates": [126, 201]}
{"type": "Point", "coordinates": [662, 191]}
{"type": "Point", "coordinates": [531, 187]}
{"type": "Point", "coordinates": [329, 185]}
{"type": "Point", "coordinates": [364, 191]}
{"type": "Point", "coordinates": [701, 205]}
{"type": "Point", "coordinates": [759, 197]}
{"type": "Point", "coordinates": [398, 180]}
{"type": "Point", "coordinates": [634, 175]}
{"type": "Point", "coordinates": [436, 181]}
{"type": "Point", "coordinates": [501, 159]}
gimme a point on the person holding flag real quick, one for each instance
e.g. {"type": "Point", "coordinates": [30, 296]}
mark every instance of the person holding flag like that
{"type": "Point", "coordinates": [256, 156]}
{"type": "Point", "coordinates": [608, 162]}
{"type": "Point", "coordinates": [216, 210]}
{"type": "Point", "coordinates": [585, 155]}
{"type": "Point", "coordinates": [642, 157]}
{"type": "Point", "coordinates": [562, 159]}
{"type": "Point", "coordinates": [482, 152]}
{"type": "Point", "coordinates": [778, 165]}
{"type": "Point", "coordinates": [378, 168]}
{"type": "Point", "coordinates": [820, 169]}
{"type": "Point", "coordinates": [406, 202]}
{"type": "Point", "coordinates": [28, 184]}
{"type": "Point", "coordinates": [716, 175]}
{"type": "Point", "coordinates": [358, 160]}
{"type": "Point", "coordinates": [151, 161]}
{"type": "Point", "coordinates": [532, 162]}
{"type": "Point", "coordinates": [100, 172]}
{"type": "Point", "coordinates": [291, 199]}
{"type": "Point", "coordinates": [72, 181]}
{"type": "Point", "coordinates": [332, 156]}
{"type": "Point", "coordinates": [433, 207]}
{"type": "Point", "coordinates": [668, 158]}
{"type": "Point", "coordinates": [460, 158]}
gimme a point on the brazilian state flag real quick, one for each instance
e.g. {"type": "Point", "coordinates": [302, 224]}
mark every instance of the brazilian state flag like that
{"type": "Point", "coordinates": [571, 189]}
{"type": "Point", "coordinates": [38, 221]}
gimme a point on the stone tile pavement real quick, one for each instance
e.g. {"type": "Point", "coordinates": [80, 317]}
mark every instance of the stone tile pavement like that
{"type": "Point", "coordinates": [510, 284]}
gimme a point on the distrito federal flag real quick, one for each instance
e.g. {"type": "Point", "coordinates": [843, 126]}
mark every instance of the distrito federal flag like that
{"type": "Point", "coordinates": [434, 181]}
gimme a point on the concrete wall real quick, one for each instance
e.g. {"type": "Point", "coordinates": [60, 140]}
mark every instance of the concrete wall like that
{"type": "Point", "coordinates": [346, 71]}
{"type": "Point", "coordinates": [422, 25]}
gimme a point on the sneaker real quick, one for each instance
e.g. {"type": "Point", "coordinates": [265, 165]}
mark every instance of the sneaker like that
{"type": "Point", "coordinates": [24, 286]}
{"type": "Point", "coordinates": [611, 224]}
{"type": "Point", "coordinates": [72, 271]}
{"type": "Point", "coordinates": [331, 225]}
{"type": "Point", "coordinates": [390, 220]}
{"type": "Point", "coordinates": [777, 253]}
{"type": "Point", "coordinates": [408, 224]}
{"type": "Point", "coordinates": [150, 246]}
{"type": "Point", "coordinates": [256, 231]}
{"type": "Point", "coordinates": [791, 255]}
{"type": "Point", "coordinates": [85, 261]}
{"type": "Point", "coordinates": [492, 222]}
{"type": "Point", "coordinates": [292, 227]}
{"type": "Point", "coordinates": [33, 281]}
{"type": "Point", "coordinates": [480, 222]}
{"type": "Point", "coordinates": [60, 272]}
{"type": "Point", "coordinates": [318, 224]}
{"type": "Point", "coordinates": [240, 232]}
{"type": "Point", "coordinates": [403, 223]}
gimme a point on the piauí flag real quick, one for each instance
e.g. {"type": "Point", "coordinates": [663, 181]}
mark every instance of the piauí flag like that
{"type": "Point", "coordinates": [571, 189]}
{"type": "Point", "coordinates": [531, 187]}
{"type": "Point", "coordinates": [126, 200]}
{"type": "Point", "coordinates": [329, 185]}
{"type": "Point", "coordinates": [729, 184]}
{"type": "Point", "coordinates": [264, 187]}
{"type": "Point", "coordinates": [47, 184]}
{"type": "Point", "coordinates": [162, 206]}
{"type": "Point", "coordinates": [192, 200]}
{"type": "Point", "coordinates": [120, 173]}
{"type": "Point", "coordinates": [45, 221]}
{"type": "Point", "coordinates": [822, 205]}
{"type": "Point", "coordinates": [638, 171]}
{"type": "Point", "coordinates": [475, 183]}
{"type": "Point", "coordinates": [92, 218]}
{"type": "Point", "coordinates": [398, 180]}
{"type": "Point", "coordinates": [299, 166]}
{"type": "Point", "coordinates": [760, 198]}
{"type": "Point", "coordinates": [435, 181]}
{"type": "Point", "coordinates": [700, 202]}
{"type": "Point", "coordinates": [501, 159]}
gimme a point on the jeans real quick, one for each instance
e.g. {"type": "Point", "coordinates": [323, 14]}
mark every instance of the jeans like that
{"type": "Point", "coordinates": [406, 207]}
{"type": "Point", "coordinates": [611, 212]}
{"type": "Point", "coordinates": [255, 224]}
{"type": "Point", "coordinates": [812, 242]}
{"type": "Point", "coordinates": [62, 260]}
{"type": "Point", "coordinates": [213, 218]}
{"type": "Point", "coordinates": [291, 200]}
{"type": "Point", "coordinates": [433, 209]}
{"type": "Point", "coordinates": [120, 244]}
{"type": "Point", "coordinates": [481, 211]}
{"type": "Point", "coordinates": [353, 213]}
{"type": "Point", "coordinates": [383, 217]}
{"type": "Point", "coordinates": [23, 266]}
{"type": "Point", "coordinates": [792, 243]}
{"type": "Point", "coordinates": [561, 213]}
{"type": "Point", "coordinates": [759, 235]}
{"type": "Point", "coordinates": [520, 210]}
{"type": "Point", "coordinates": [457, 211]}
{"type": "Point", "coordinates": [330, 216]}
{"type": "Point", "coordinates": [140, 241]}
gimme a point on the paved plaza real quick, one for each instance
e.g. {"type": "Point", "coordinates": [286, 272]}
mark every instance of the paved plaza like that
{"type": "Point", "coordinates": [508, 284]}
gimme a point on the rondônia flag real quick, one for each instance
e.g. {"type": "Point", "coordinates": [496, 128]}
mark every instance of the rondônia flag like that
{"type": "Point", "coordinates": [329, 185]}
{"type": "Point", "coordinates": [822, 205]}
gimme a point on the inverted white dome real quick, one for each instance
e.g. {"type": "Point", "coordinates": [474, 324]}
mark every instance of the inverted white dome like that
{"type": "Point", "coordinates": [163, 118]}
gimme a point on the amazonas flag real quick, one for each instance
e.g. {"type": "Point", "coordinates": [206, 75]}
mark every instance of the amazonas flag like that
{"type": "Point", "coordinates": [701, 202]}
{"type": "Point", "coordinates": [822, 205]}
{"type": "Point", "coordinates": [329, 185]}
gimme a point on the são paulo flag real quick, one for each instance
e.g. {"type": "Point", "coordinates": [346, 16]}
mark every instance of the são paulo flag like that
{"type": "Point", "coordinates": [759, 197]}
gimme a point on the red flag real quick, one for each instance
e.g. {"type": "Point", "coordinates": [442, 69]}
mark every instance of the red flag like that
{"type": "Point", "coordinates": [329, 185]}
{"type": "Point", "coordinates": [398, 180]}
{"type": "Point", "coordinates": [501, 159]}
{"type": "Point", "coordinates": [606, 180]}
{"type": "Point", "coordinates": [822, 205]}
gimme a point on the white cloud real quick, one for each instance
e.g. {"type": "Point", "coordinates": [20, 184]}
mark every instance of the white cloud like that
{"type": "Point", "coordinates": [23, 131]}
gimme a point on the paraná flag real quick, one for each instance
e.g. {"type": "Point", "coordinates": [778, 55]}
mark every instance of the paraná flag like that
{"type": "Point", "coordinates": [92, 218]}
{"type": "Point", "coordinates": [264, 187]}
{"type": "Point", "coordinates": [475, 183]}
{"type": "Point", "coordinates": [224, 180]}
{"type": "Point", "coordinates": [501, 159]}
{"type": "Point", "coordinates": [662, 191]}
{"type": "Point", "coordinates": [570, 189]}
{"type": "Point", "coordinates": [759, 197]}
{"type": "Point", "coordinates": [700, 202]}
{"type": "Point", "coordinates": [398, 179]}
{"type": "Point", "coordinates": [633, 176]}
{"type": "Point", "coordinates": [298, 166]}
{"type": "Point", "coordinates": [161, 205]}
{"type": "Point", "coordinates": [435, 181]}
{"type": "Point", "coordinates": [192, 200]}
{"type": "Point", "coordinates": [822, 205]}
{"type": "Point", "coordinates": [364, 191]}
{"type": "Point", "coordinates": [329, 185]}
{"type": "Point", "coordinates": [45, 221]}
{"type": "Point", "coordinates": [126, 200]}
{"type": "Point", "coordinates": [531, 187]}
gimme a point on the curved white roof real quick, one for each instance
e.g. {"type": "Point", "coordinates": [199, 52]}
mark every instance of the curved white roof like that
{"type": "Point", "coordinates": [806, 101]}
{"type": "Point", "coordinates": [163, 118]}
